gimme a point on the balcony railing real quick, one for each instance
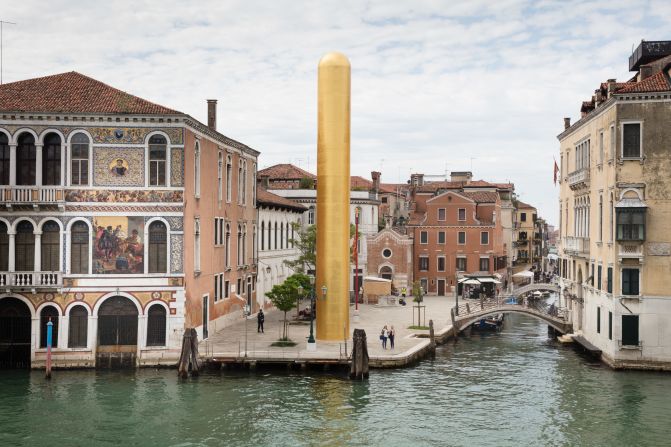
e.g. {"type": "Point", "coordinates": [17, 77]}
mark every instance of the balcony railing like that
{"type": "Point", "coordinates": [31, 194]}
{"type": "Point", "coordinates": [576, 245]}
{"type": "Point", "coordinates": [579, 178]}
{"type": "Point", "coordinates": [630, 250]}
{"type": "Point", "coordinates": [31, 279]}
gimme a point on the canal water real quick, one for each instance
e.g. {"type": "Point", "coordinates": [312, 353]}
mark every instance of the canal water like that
{"type": "Point", "coordinates": [513, 388]}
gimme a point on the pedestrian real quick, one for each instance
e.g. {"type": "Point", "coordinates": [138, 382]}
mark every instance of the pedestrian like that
{"type": "Point", "coordinates": [260, 318]}
{"type": "Point", "coordinates": [403, 291]}
{"type": "Point", "coordinates": [392, 335]}
{"type": "Point", "coordinates": [383, 336]}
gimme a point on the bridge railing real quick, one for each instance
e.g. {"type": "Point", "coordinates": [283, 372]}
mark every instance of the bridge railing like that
{"type": "Point", "coordinates": [499, 303]}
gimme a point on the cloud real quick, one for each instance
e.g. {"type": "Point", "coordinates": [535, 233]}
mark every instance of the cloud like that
{"type": "Point", "coordinates": [435, 85]}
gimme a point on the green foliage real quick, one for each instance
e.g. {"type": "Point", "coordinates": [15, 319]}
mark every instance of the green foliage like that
{"type": "Point", "coordinates": [285, 297]}
{"type": "Point", "coordinates": [306, 243]}
{"type": "Point", "coordinates": [306, 183]}
{"type": "Point", "coordinates": [417, 292]}
{"type": "Point", "coordinates": [303, 280]}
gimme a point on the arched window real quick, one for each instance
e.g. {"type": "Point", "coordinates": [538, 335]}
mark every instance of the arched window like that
{"type": "Point", "coordinates": [196, 170]}
{"type": "Point", "coordinates": [254, 183]}
{"type": "Point", "coordinates": [270, 234]}
{"type": "Point", "coordinates": [311, 216]}
{"type": "Point", "coordinates": [156, 323]}
{"type": "Point", "coordinates": [78, 327]}
{"type": "Point", "coordinates": [263, 235]}
{"type": "Point", "coordinates": [240, 245]}
{"type": "Point", "coordinates": [51, 160]}
{"type": "Point", "coordinates": [24, 252]}
{"type": "Point", "coordinates": [79, 248]}
{"type": "Point", "coordinates": [228, 245]}
{"type": "Point", "coordinates": [275, 245]}
{"type": "Point", "coordinates": [49, 313]}
{"type": "Point", "coordinates": [220, 176]}
{"type": "Point", "coordinates": [282, 235]}
{"type": "Point", "coordinates": [157, 157]}
{"type": "Point", "coordinates": [287, 234]}
{"type": "Point", "coordinates": [254, 245]}
{"type": "Point", "coordinates": [50, 247]}
{"type": "Point", "coordinates": [240, 182]}
{"type": "Point", "coordinates": [244, 244]}
{"type": "Point", "coordinates": [4, 248]}
{"type": "Point", "coordinates": [4, 159]}
{"type": "Point", "coordinates": [244, 182]}
{"type": "Point", "coordinates": [26, 157]}
{"type": "Point", "coordinates": [158, 248]}
{"type": "Point", "coordinates": [79, 159]}
{"type": "Point", "coordinates": [196, 244]}
{"type": "Point", "coordinates": [229, 180]}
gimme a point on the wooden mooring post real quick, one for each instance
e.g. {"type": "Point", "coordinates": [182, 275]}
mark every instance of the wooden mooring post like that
{"type": "Point", "coordinates": [359, 367]}
{"type": "Point", "coordinates": [432, 338]}
{"type": "Point", "coordinates": [188, 359]}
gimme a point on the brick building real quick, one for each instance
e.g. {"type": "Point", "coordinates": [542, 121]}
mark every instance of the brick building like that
{"type": "Point", "coordinates": [390, 257]}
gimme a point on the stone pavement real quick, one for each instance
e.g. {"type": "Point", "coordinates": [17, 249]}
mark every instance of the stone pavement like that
{"type": "Point", "coordinates": [230, 341]}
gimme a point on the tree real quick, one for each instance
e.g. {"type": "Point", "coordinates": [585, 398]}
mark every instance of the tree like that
{"type": "Point", "coordinates": [306, 243]}
{"type": "Point", "coordinates": [418, 294]}
{"type": "Point", "coordinates": [284, 296]}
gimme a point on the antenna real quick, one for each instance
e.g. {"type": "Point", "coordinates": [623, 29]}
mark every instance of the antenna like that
{"type": "Point", "coordinates": [2, 22]}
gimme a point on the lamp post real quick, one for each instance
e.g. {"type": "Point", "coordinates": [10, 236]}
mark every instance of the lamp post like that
{"type": "Point", "coordinates": [312, 345]}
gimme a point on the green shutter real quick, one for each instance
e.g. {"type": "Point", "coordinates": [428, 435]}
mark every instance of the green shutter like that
{"type": "Point", "coordinates": [630, 330]}
{"type": "Point", "coordinates": [598, 320]}
{"type": "Point", "coordinates": [610, 280]}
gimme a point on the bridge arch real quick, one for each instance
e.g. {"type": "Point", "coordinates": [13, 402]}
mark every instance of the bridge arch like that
{"type": "Point", "coordinates": [461, 322]}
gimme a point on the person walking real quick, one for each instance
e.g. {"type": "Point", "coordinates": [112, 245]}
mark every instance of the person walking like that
{"type": "Point", "coordinates": [383, 336]}
{"type": "Point", "coordinates": [260, 318]}
{"type": "Point", "coordinates": [392, 334]}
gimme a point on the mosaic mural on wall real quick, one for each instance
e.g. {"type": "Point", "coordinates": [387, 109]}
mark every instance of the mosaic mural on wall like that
{"type": "Point", "coordinates": [39, 129]}
{"type": "Point", "coordinates": [176, 223]}
{"type": "Point", "coordinates": [117, 245]}
{"type": "Point", "coordinates": [118, 166]}
{"type": "Point", "coordinates": [176, 167]}
{"type": "Point", "coordinates": [132, 135]}
{"type": "Point", "coordinates": [89, 195]}
{"type": "Point", "coordinates": [176, 253]}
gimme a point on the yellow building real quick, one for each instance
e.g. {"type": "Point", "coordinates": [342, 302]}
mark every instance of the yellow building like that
{"type": "Point", "coordinates": [523, 236]}
{"type": "Point", "coordinates": [615, 209]}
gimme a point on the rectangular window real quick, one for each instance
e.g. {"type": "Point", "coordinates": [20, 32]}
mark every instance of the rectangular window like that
{"type": "Point", "coordinates": [441, 263]}
{"type": "Point", "coordinates": [523, 217]}
{"type": "Point", "coordinates": [609, 279]}
{"type": "Point", "coordinates": [631, 140]}
{"type": "Point", "coordinates": [630, 281]}
{"type": "Point", "coordinates": [598, 320]}
{"type": "Point", "coordinates": [226, 289]}
{"type": "Point", "coordinates": [591, 276]}
{"type": "Point", "coordinates": [461, 264]}
{"type": "Point", "coordinates": [612, 143]}
{"type": "Point", "coordinates": [610, 325]}
{"type": "Point", "coordinates": [423, 263]}
{"type": "Point", "coordinates": [441, 237]}
{"type": "Point", "coordinates": [484, 264]}
{"type": "Point", "coordinates": [441, 214]}
{"type": "Point", "coordinates": [423, 237]}
{"type": "Point", "coordinates": [239, 289]}
{"type": "Point", "coordinates": [216, 288]}
{"type": "Point", "coordinates": [630, 330]}
{"type": "Point", "coordinates": [461, 214]}
{"type": "Point", "coordinates": [216, 232]}
{"type": "Point", "coordinates": [631, 224]}
{"type": "Point", "coordinates": [461, 238]}
{"type": "Point", "coordinates": [598, 277]}
{"type": "Point", "coordinates": [484, 238]}
{"type": "Point", "coordinates": [601, 147]}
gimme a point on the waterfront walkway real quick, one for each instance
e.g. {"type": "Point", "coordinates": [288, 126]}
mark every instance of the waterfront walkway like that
{"type": "Point", "coordinates": [228, 345]}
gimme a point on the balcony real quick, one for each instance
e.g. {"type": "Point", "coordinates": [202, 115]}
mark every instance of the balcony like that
{"type": "Point", "coordinates": [32, 195]}
{"type": "Point", "coordinates": [630, 250]}
{"type": "Point", "coordinates": [31, 280]}
{"type": "Point", "coordinates": [520, 243]}
{"type": "Point", "coordinates": [579, 179]}
{"type": "Point", "coordinates": [576, 246]}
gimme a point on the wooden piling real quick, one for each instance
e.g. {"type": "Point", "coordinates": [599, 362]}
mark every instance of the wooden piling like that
{"type": "Point", "coordinates": [359, 365]}
{"type": "Point", "coordinates": [188, 358]}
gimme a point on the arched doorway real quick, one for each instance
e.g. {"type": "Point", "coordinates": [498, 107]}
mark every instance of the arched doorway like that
{"type": "Point", "coordinates": [117, 333]}
{"type": "Point", "coordinates": [386, 272]}
{"type": "Point", "coordinates": [15, 322]}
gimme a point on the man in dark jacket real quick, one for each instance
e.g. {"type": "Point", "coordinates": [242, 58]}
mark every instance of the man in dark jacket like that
{"type": "Point", "coordinates": [260, 318]}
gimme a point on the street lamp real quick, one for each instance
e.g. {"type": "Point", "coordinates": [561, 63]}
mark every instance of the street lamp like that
{"type": "Point", "coordinates": [311, 339]}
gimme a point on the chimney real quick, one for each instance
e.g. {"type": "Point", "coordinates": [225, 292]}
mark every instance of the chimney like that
{"type": "Point", "coordinates": [611, 87]}
{"type": "Point", "coordinates": [264, 180]}
{"type": "Point", "coordinates": [599, 97]}
{"type": "Point", "coordinates": [645, 73]}
{"type": "Point", "coordinates": [417, 179]}
{"type": "Point", "coordinates": [567, 123]}
{"type": "Point", "coordinates": [376, 180]}
{"type": "Point", "coordinates": [461, 176]}
{"type": "Point", "coordinates": [212, 114]}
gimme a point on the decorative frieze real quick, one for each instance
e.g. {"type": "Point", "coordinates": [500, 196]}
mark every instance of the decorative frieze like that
{"type": "Point", "coordinates": [122, 196]}
{"type": "Point", "coordinates": [176, 253]}
{"type": "Point", "coordinates": [132, 135]}
{"type": "Point", "coordinates": [118, 166]}
{"type": "Point", "coordinates": [177, 167]}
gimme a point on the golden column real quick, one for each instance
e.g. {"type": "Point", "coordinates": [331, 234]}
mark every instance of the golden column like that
{"type": "Point", "coordinates": [333, 184]}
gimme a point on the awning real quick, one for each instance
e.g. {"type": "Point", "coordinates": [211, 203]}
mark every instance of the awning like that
{"type": "Point", "coordinates": [470, 282]}
{"type": "Point", "coordinates": [489, 280]}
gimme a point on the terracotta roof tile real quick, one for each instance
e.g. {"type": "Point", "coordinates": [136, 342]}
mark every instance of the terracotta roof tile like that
{"type": "Point", "coordinates": [73, 93]}
{"type": "Point", "coordinates": [522, 205]}
{"type": "Point", "coordinates": [481, 196]}
{"type": "Point", "coordinates": [358, 182]}
{"type": "Point", "coordinates": [267, 198]}
{"type": "Point", "coordinates": [286, 171]}
{"type": "Point", "coordinates": [655, 83]}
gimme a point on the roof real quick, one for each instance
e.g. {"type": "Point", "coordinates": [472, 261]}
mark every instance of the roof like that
{"type": "Point", "coordinates": [448, 184]}
{"type": "Point", "coordinates": [522, 205]}
{"type": "Point", "coordinates": [286, 171]}
{"type": "Point", "coordinates": [267, 198]}
{"type": "Point", "coordinates": [655, 83]}
{"type": "Point", "coordinates": [358, 182]}
{"type": "Point", "coordinates": [481, 196]}
{"type": "Point", "coordinates": [74, 92]}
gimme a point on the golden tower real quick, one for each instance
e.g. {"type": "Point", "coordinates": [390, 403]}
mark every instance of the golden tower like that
{"type": "Point", "coordinates": [333, 185]}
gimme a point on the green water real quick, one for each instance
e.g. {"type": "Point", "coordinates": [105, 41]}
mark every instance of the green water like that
{"type": "Point", "coordinates": [514, 388]}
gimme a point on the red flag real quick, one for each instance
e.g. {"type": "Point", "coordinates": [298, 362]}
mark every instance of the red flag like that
{"type": "Point", "coordinates": [556, 169]}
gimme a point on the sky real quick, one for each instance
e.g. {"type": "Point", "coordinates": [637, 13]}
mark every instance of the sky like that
{"type": "Point", "coordinates": [437, 86]}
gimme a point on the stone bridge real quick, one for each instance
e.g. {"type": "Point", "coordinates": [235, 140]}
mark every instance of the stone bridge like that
{"type": "Point", "coordinates": [468, 313]}
{"type": "Point", "coordinates": [541, 287]}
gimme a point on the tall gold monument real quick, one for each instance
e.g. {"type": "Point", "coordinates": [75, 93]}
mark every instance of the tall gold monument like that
{"type": "Point", "coordinates": [333, 184]}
